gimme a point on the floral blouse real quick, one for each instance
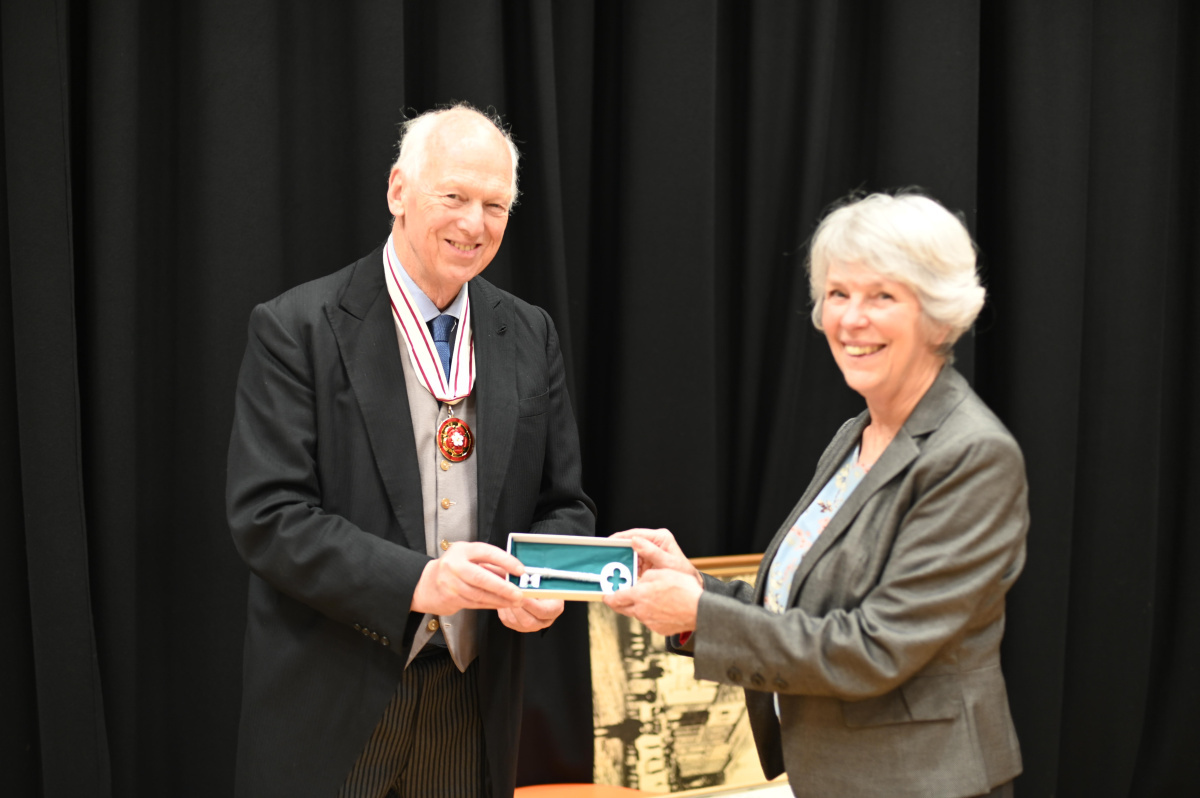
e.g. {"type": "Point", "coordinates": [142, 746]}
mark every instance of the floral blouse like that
{"type": "Point", "coordinates": [807, 528]}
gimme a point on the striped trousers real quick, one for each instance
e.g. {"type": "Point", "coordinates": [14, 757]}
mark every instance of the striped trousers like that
{"type": "Point", "coordinates": [429, 742]}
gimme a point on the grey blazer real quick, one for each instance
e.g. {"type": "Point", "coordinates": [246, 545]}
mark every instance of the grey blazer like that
{"type": "Point", "coordinates": [887, 662]}
{"type": "Point", "coordinates": [324, 503]}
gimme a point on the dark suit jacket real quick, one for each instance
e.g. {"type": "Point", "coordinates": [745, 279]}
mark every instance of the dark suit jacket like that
{"type": "Point", "coordinates": [324, 503]}
{"type": "Point", "coordinates": [887, 663]}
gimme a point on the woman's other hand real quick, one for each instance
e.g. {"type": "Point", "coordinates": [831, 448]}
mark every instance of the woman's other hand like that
{"type": "Point", "coordinates": [656, 548]}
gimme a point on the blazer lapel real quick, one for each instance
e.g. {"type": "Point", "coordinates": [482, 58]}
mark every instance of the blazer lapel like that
{"type": "Point", "coordinates": [943, 396]}
{"type": "Point", "coordinates": [366, 336]}
{"type": "Point", "coordinates": [496, 398]}
{"type": "Point", "coordinates": [899, 453]}
{"type": "Point", "coordinates": [834, 454]}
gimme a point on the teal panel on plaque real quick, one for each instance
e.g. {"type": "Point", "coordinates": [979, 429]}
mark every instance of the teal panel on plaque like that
{"type": "Point", "coordinates": [569, 557]}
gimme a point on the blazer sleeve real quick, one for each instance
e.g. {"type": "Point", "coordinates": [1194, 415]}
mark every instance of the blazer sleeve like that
{"type": "Point", "coordinates": [743, 592]}
{"type": "Point", "coordinates": [274, 493]}
{"type": "Point", "coordinates": [959, 518]}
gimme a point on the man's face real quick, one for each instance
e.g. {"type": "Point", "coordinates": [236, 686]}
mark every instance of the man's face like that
{"type": "Point", "coordinates": [450, 216]}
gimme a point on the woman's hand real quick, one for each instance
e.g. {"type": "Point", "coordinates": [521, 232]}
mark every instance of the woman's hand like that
{"type": "Point", "coordinates": [657, 548]}
{"type": "Point", "coordinates": [667, 594]}
{"type": "Point", "coordinates": [664, 600]}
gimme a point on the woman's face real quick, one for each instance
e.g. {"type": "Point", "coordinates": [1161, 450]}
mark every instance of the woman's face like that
{"type": "Point", "coordinates": [883, 344]}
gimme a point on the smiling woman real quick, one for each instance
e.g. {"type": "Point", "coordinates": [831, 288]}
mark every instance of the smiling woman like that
{"type": "Point", "coordinates": [875, 668]}
{"type": "Point", "coordinates": [881, 341]}
{"type": "Point", "coordinates": [894, 286]}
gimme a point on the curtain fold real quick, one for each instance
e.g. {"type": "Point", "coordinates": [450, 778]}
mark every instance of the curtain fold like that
{"type": "Point", "coordinates": [71, 736]}
{"type": "Point", "coordinates": [18, 732]}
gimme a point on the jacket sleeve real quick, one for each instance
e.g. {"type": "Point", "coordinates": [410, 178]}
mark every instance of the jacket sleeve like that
{"type": "Point", "coordinates": [562, 506]}
{"type": "Point", "coordinates": [742, 592]}
{"type": "Point", "coordinates": [274, 493]}
{"type": "Point", "coordinates": [958, 545]}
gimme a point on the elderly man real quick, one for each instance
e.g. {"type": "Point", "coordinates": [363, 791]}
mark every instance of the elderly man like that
{"type": "Point", "coordinates": [394, 421]}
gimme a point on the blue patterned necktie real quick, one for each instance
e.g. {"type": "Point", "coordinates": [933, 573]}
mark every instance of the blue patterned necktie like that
{"type": "Point", "coordinates": [443, 335]}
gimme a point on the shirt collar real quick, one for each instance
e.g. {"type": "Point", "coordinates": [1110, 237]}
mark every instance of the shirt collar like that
{"type": "Point", "coordinates": [425, 306]}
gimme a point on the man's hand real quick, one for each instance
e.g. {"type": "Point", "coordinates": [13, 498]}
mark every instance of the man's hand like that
{"type": "Point", "coordinates": [532, 615]}
{"type": "Point", "coordinates": [470, 576]}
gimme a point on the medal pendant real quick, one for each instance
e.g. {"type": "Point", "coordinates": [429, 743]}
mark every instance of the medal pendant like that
{"type": "Point", "coordinates": [454, 440]}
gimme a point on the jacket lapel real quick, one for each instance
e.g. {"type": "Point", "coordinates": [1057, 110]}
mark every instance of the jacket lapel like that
{"type": "Point", "coordinates": [942, 397]}
{"type": "Point", "coordinates": [496, 398]}
{"type": "Point", "coordinates": [899, 453]}
{"type": "Point", "coordinates": [366, 336]}
{"type": "Point", "coordinates": [834, 454]}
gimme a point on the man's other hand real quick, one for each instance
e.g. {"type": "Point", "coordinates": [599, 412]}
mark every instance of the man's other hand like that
{"type": "Point", "coordinates": [532, 614]}
{"type": "Point", "coordinates": [469, 576]}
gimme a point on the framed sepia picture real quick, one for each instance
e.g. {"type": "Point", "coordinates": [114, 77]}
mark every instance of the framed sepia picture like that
{"type": "Point", "coordinates": [656, 727]}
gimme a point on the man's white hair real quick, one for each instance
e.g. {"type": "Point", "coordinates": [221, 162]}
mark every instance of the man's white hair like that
{"type": "Point", "coordinates": [415, 132]}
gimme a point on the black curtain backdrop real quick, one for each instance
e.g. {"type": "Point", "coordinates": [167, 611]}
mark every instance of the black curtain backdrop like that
{"type": "Point", "coordinates": [166, 166]}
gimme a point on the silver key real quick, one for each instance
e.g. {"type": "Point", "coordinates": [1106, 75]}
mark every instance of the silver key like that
{"type": "Point", "coordinates": [532, 578]}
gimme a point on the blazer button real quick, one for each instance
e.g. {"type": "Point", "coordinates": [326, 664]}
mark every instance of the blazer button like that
{"type": "Point", "coordinates": [432, 625]}
{"type": "Point", "coordinates": [445, 545]}
{"type": "Point", "coordinates": [780, 683]}
{"type": "Point", "coordinates": [757, 680]}
{"type": "Point", "coordinates": [366, 632]}
{"type": "Point", "coordinates": [385, 641]}
{"type": "Point", "coordinates": [446, 504]}
{"type": "Point", "coordinates": [374, 635]}
{"type": "Point", "coordinates": [445, 466]}
{"type": "Point", "coordinates": [734, 674]}
{"type": "Point", "coordinates": [357, 627]}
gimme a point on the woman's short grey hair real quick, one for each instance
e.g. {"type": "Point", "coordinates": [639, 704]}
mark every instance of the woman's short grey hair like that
{"type": "Point", "coordinates": [414, 136]}
{"type": "Point", "coordinates": [911, 239]}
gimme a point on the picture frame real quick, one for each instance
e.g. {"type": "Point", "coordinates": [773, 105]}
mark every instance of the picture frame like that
{"type": "Point", "coordinates": [656, 727]}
